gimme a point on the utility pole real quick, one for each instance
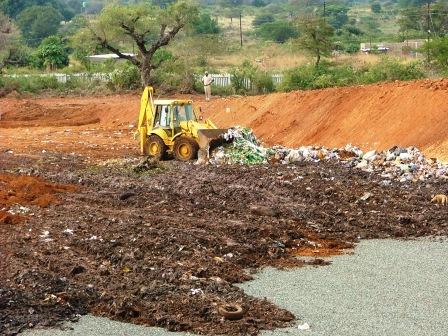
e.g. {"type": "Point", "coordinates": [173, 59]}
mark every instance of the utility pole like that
{"type": "Point", "coordinates": [428, 29]}
{"type": "Point", "coordinates": [241, 32]}
{"type": "Point", "coordinates": [325, 14]}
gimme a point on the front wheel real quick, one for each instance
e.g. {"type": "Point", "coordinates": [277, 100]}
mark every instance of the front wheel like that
{"type": "Point", "coordinates": [155, 147]}
{"type": "Point", "coordinates": [185, 149]}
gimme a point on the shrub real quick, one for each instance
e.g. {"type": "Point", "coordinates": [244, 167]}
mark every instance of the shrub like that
{"type": "Point", "coordinates": [32, 84]}
{"type": "Point", "coordinates": [204, 24]}
{"type": "Point", "coordinates": [262, 19]}
{"type": "Point", "coordinates": [259, 81]}
{"type": "Point", "coordinates": [175, 74]}
{"type": "Point", "coordinates": [52, 54]}
{"type": "Point", "coordinates": [327, 75]}
{"type": "Point", "coordinates": [390, 69]}
{"type": "Point", "coordinates": [278, 31]}
{"type": "Point", "coordinates": [126, 77]}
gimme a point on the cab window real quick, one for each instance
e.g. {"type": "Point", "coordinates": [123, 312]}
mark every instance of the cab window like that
{"type": "Point", "coordinates": [183, 113]}
{"type": "Point", "coordinates": [162, 116]}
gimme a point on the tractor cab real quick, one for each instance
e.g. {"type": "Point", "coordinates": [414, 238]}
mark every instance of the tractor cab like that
{"type": "Point", "coordinates": [171, 114]}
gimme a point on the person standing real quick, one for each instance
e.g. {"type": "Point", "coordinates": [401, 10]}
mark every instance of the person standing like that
{"type": "Point", "coordinates": [207, 80]}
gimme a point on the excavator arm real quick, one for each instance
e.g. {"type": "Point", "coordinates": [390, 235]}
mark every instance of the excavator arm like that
{"type": "Point", "coordinates": [146, 116]}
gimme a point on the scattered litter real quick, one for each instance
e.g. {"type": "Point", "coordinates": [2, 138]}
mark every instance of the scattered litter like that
{"type": "Point", "coordinates": [195, 291]}
{"type": "Point", "coordinates": [366, 196]}
{"type": "Point", "coordinates": [304, 326]}
{"type": "Point", "coordinates": [396, 164]}
{"type": "Point", "coordinates": [231, 311]}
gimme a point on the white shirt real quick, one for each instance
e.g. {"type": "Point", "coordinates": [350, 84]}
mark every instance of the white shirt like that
{"type": "Point", "coordinates": [207, 80]}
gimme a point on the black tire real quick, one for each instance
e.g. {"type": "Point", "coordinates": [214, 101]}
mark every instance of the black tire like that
{"type": "Point", "coordinates": [185, 149]}
{"type": "Point", "coordinates": [155, 147]}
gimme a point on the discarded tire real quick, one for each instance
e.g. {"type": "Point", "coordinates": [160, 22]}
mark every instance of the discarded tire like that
{"type": "Point", "coordinates": [231, 312]}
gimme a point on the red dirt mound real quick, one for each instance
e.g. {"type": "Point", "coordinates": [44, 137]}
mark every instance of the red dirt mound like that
{"type": "Point", "coordinates": [31, 114]}
{"type": "Point", "coordinates": [373, 116]}
{"type": "Point", "coordinates": [26, 190]}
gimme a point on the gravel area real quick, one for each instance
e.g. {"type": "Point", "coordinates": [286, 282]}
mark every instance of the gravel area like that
{"type": "Point", "coordinates": [387, 287]}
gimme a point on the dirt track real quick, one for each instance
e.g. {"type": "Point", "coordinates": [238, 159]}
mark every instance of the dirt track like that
{"type": "Point", "coordinates": [372, 117]}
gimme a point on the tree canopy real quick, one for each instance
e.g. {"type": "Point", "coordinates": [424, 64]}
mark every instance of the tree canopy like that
{"type": "Point", "coordinates": [38, 22]}
{"type": "Point", "coordinates": [52, 53]}
{"type": "Point", "coordinates": [148, 27]}
{"type": "Point", "coordinates": [315, 36]}
{"type": "Point", "coordinates": [14, 7]}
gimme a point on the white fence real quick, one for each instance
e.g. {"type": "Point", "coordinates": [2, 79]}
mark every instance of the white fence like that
{"type": "Point", "coordinates": [63, 78]}
{"type": "Point", "coordinates": [220, 80]}
{"type": "Point", "coordinates": [226, 80]}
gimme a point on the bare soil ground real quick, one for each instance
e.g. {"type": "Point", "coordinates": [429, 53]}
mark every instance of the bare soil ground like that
{"type": "Point", "coordinates": [165, 246]}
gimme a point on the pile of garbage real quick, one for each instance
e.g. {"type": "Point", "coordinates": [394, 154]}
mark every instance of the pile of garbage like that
{"type": "Point", "coordinates": [244, 149]}
{"type": "Point", "coordinates": [397, 163]}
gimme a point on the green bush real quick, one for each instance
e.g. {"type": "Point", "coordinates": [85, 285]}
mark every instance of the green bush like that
{"type": "Point", "coordinates": [389, 69]}
{"type": "Point", "coordinates": [32, 84]}
{"type": "Point", "coordinates": [175, 74]}
{"type": "Point", "coordinates": [126, 77]}
{"type": "Point", "coordinates": [326, 75]}
{"type": "Point", "coordinates": [262, 19]}
{"type": "Point", "coordinates": [278, 31]}
{"type": "Point", "coordinates": [205, 24]}
{"type": "Point", "coordinates": [260, 81]}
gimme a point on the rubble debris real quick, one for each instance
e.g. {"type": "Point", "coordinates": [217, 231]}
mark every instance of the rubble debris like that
{"type": "Point", "coordinates": [148, 163]}
{"type": "Point", "coordinates": [401, 164]}
{"type": "Point", "coordinates": [170, 259]}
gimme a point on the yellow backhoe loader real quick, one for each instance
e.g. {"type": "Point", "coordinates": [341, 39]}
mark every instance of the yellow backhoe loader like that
{"type": "Point", "coordinates": [172, 126]}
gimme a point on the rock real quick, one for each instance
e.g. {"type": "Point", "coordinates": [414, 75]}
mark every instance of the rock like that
{"type": "Point", "coordinates": [263, 211]}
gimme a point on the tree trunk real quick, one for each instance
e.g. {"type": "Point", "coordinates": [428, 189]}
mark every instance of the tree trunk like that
{"type": "Point", "coordinates": [145, 71]}
{"type": "Point", "coordinates": [317, 59]}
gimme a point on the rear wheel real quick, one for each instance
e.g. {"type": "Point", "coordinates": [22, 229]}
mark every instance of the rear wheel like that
{"type": "Point", "coordinates": [185, 149]}
{"type": "Point", "coordinates": [155, 147]}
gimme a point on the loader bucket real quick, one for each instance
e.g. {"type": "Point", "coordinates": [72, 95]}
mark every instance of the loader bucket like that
{"type": "Point", "coordinates": [209, 139]}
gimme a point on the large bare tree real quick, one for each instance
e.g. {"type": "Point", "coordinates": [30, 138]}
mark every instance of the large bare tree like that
{"type": "Point", "coordinates": [144, 26]}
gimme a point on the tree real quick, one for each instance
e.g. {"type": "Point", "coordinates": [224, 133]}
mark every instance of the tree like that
{"type": "Point", "coordinates": [38, 22]}
{"type": "Point", "coordinates": [315, 37]}
{"type": "Point", "coordinates": [258, 3]}
{"type": "Point", "coordinates": [204, 24]}
{"type": "Point", "coordinates": [150, 28]}
{"type": "Point", "coordinates": [337, 15]}
{"type": "Point", "coordinates": [278, 31]}
{"type": "Point", "coordinates": [438, 51]}
{"type": "Point", "coordinates": [14, 7]}
{"type": "Point", "coordinates": [375, 7]}
{"type": "Point", "coordinates": [9, 36]}
{"type": "Point", "coordinates": [52, 53]}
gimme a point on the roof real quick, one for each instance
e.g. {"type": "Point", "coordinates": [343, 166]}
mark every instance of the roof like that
{"type": "Point", "coordinates": [107, 56]}
{"type": "Point", "coordinates": [172, 101]}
